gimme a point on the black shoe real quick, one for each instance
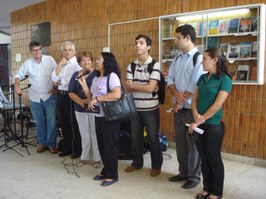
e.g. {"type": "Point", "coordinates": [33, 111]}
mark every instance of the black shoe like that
{"type": "Point", "coordinates": [64, 153]}
{"type": "Point", "coordinates": [99, 177]}
{"type": "Point", "coordinates": [200, 196]}
{"type": "Point", "coordinates": [74, 156]}
{"type": "Point", "coordinates": [190, 184]}
{"type": "Point", "coordinates": [107, 183]}
{"type": "Point", "coordinates": [177, 178]}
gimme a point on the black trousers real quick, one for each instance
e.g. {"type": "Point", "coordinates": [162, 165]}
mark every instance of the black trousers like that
{"type": "Point", "coordinates": [209, 146]}
{"type": "Point", "coordinates": [107, 136]}
{"type": "Point", "coordinates": [151, 121]}
{"type": "Point", "coordinates": [68, 124]}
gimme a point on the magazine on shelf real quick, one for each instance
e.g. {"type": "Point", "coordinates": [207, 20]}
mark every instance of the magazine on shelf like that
{"type": "Point", "coordinates": [214, 27]}
{"type": "Point", "coordinates": [196, 26]}
{"type": "Point", "coordinates": [203, 29]}
{"type": "Point", "coordinates": [233, 51]}
{"type": "Point", "coordinates": [253, 73]}
{"type": "Point", "coordinates": [213, 42]}
{"type": "Point", "coordinates": [245, 49]}
{"type": "Point", "coordinates": [233, 26]}
{"type": "Point", "coordinates": [224, 49]}
{"type": "Point", "coordinates": [245, 24]}
{"type": "Point", "coordinates": [224, 26]}
{"type": "Point", "coordinates": [254, 24]}
{"type": "Point", "coordinates": [243, 72]}
{"type": "Point", "coordinates": [254, 49]}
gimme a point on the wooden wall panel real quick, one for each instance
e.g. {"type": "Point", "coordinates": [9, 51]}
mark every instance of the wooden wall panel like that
{"type": "Point", "coordinates": [85, 22]}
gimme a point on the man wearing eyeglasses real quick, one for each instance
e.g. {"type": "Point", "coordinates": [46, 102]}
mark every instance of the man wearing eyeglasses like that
{"type": "Point", "coordinates": [42, 96]}
{"type": "Point", "coordinates": [68, 123]}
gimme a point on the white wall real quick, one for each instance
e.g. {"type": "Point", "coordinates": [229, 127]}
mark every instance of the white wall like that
{"type": "Point", "coordinates": [5, 39]}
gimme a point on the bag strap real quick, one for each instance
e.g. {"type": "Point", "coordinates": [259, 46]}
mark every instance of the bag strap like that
{"type": "Point", "coordinates": [107, 84]}
{"type": "Point", "coordinates": [108, 87]}
{"type": "Point", "coordinates": [195, 57]}
{"type": "Point", "coordinates": [150, 67]}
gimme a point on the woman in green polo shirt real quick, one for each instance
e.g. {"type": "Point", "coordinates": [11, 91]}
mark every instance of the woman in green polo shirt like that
{"type": "Point", "coordinates": [211, 93]}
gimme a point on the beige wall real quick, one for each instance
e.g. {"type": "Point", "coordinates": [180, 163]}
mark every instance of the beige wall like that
{"type": "Point", "coordinates": [86, 23]}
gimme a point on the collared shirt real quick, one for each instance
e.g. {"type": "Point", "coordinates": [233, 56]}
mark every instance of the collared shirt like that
{"type": "Point", "coordinates": [184, 74]}
{"type": "Point", "coordinates": [208, 90]}
{"type": "Point", "coordinates": [66, 73]}
{"type": "Point", "coordinates": [144, 101]}
{"type": "Point", "coordinates": [39, 75]}
{"type": "Point", "coordinates": [75, 87]}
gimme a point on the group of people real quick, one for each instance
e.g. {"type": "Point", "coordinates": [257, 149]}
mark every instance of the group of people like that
{"type": "Point", "coordinates": [199, 85]}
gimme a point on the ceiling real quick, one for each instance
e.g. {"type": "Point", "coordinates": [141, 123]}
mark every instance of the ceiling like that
{"type": "Point", "coordinates": [8, 6]}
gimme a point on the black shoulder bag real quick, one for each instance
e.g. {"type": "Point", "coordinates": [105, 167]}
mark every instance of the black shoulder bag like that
{"type": "Point", "coordinates": [119, 109]}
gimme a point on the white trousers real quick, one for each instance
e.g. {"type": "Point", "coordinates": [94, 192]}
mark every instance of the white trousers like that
{"type": "Point", "coordinates": [86, 122]}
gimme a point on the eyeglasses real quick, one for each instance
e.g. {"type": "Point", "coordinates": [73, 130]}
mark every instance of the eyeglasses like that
{"type": "Point", "coordinates": [36, 50]}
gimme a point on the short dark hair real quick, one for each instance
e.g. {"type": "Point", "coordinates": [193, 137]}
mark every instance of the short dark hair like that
{"type": "Point", "coordinates": [186, 30]}
{"type": "Point", "coordinates": [33, 44]}
{"type": "Point", "coordinates": [147, 39]}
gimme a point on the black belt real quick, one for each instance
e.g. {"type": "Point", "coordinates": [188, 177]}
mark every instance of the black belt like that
{"type": "Point", "coordinates": [186, 109]}
{"type": "Point", "coordinates": [62, 92]}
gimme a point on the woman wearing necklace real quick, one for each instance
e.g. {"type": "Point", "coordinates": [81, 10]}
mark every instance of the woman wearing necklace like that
{"type": "Point", "coordinates": [107, 131]}
{"type": "Point", "coordinates": [85, 119]}
{"type": "Point", "coordinates": [212, 90]}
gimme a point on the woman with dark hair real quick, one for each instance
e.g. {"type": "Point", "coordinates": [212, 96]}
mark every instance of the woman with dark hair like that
{"type": "Point", "coordinates": [107, 131]}
{"type": "Point", "coordinates": [211, 93]}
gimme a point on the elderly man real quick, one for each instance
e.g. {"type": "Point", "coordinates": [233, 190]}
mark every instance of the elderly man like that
{"type": "Point", "coordinates": [68, 123]}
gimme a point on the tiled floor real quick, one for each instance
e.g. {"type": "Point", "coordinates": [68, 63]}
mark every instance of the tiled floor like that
{"type": "Point", "coordinates": [45, 176]}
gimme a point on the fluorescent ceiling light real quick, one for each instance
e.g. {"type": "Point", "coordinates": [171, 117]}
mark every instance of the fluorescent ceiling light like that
{"type": "Point", "coordinates": [229, 13]}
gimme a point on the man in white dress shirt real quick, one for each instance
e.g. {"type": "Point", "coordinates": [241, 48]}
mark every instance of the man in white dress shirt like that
{"type": "Point", "coordinates": [42, 96]}
{"type": "Point", "coordinates": [68, 123]}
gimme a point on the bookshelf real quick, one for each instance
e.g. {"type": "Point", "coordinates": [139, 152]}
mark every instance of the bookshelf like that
{"type": "Point", "coordinates": [236, 30]}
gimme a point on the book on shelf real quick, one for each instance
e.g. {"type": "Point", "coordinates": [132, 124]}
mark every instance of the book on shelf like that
{"type": "Point", "coordinates": [214, 27]}
{"type": "Point", "coordinates": [233, 51]}
{"type": "Point", "coordinates": [224, 26]}
{"type": "Point", "coordinates": [174, 27]}
{"type": "Point", "coordinates": [245, 49]}
{"type": "Point", "coordinates": [196, 26]}
{"type": "Point", "coordinates": [224, 49]}
{"type": "Point", "coordinates": [233, 25]}
{"type": "Point", "coordinates": [213, 42]}
{"type": "Point", "coordinates": [243, 72]}
{"type": "Point", "coordinates": [232, 70]}
{"type": "Point", "coordinates": [253, 73]}
{"type": "Point", "coordinates": [203, 27]}
{"type": "Point", "coordinates": [245, 24]}
{"type": "Point", "coordinates": [254, 49]}
{"type": "Point", "coordinates": [254, 23]}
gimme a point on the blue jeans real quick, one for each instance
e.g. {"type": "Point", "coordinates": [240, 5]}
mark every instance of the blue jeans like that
{"type": "Point", "coordinates": [44, 114]}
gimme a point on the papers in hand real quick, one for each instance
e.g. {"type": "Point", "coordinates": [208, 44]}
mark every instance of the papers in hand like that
{"type": "Point", "coordinates": [196, 129]}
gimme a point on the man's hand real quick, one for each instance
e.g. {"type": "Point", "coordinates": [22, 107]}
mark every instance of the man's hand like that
{"type": "Point", "coordinates": [176, 107]}
{"type": "Point", "coordinates": [129, 86]}
{"type": "Point", "coordinates": [18, 90]}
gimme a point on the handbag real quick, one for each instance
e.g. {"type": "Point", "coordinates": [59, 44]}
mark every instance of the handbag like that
{"type": "Point", "coordinates": [121, 108]}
